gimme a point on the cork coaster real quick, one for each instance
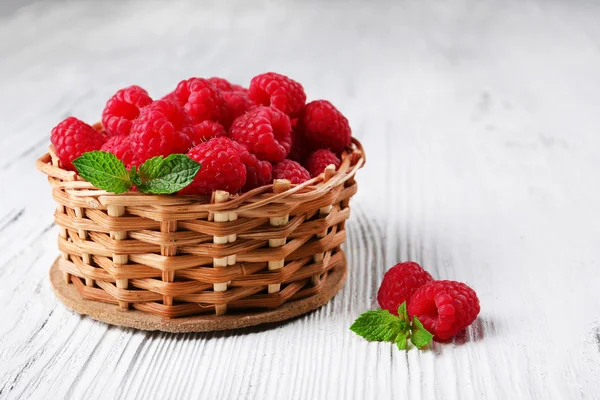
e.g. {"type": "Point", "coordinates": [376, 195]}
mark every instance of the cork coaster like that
{"type": "Point", "coordinates": [111, 314]}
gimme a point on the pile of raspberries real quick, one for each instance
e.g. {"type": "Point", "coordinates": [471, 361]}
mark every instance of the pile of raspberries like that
{"type": "Point", "coordinates": [244, 138]}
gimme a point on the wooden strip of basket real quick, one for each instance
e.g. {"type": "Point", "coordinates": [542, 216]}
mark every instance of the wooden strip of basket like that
{"type": "Point", "coordinates": [156, 254]}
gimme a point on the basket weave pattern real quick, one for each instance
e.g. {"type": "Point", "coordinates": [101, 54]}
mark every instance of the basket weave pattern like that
{"type": "Point", "coordinates": [176, 256]}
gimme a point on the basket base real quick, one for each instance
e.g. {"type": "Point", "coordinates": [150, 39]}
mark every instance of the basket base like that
{"type": "Point", "coordinates": [111, 314]}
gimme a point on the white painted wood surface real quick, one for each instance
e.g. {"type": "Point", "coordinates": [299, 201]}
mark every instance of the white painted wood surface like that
{"type": "Point", "coordinates": [481, 120]}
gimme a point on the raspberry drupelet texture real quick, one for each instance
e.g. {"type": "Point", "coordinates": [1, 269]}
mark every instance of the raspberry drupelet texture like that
{"type": "Point", "coordinates": [206, 130]}
{"type": "Point", "coordinates": [319, 160]}
{"type": "Point", "coordinates": [399, 283]}
{"type": "Point", "coordinates": [222, 167]}
{"type": "Point", "coordinates": [71, 138]}
{"type": "Point", "coordinates": [122, 108]}
{"type": "Point", "coordinates": [163, 128]}
{"type": "Point", "coordinates": [224, 85]}
{"type": "Point", "coordinates": [120, 146]}
{"type": "Point", "coordinates": [238, 102]}
{"type": "Point", "coordinates": [202, 101]}
{"type": "Point", "coordinates": [325, 127]}
{"type": "Point", "coordinates": [444, 307]}
{"type": "Point", "coordinates": [266, 132]}
{"type": "Point", "coordinates": [279, 91]}
{"type": "Point", "coordinates": [290, 170]}
{"type": "Point", "coordinates": [258, 173]}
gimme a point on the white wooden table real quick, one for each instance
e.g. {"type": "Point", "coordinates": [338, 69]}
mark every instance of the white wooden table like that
{"type": "Point", "coordinates": [481, 122]}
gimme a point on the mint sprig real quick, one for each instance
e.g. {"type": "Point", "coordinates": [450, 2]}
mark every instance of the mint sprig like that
{"type": "Point", "coordinates": [382, 326]}
{"type": "Point", "coordinates": [158, 175]}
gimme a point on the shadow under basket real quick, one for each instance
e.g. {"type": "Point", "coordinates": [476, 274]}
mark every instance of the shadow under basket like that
{"type": "Point", "coordinates": [198, 263]}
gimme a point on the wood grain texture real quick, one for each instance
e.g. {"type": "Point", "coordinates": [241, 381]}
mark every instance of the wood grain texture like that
{"type": "Point", "coordinates": [480, 121]}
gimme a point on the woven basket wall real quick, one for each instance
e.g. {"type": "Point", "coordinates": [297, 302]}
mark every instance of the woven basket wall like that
{"type": "Point", "coordinates": [176, 256]}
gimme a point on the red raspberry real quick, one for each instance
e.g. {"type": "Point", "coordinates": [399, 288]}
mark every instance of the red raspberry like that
{"type": "Point", "coordinates": [71, 138]}
{"type": "Point", "coordinates": [120, 146]}
{"type": "Point", "coordinates": [258, 173]}
{"type": "Point", "coordinates": [123, 108]}
{"type": "Point", "coordinates": [444, 307]}
{"type": "Point", "coordinates": [319, 160]}
{"type": "Point", "coordinates": [238, 102]}
{"type": "Point", "coordinates": [162, 128]}
{"type": "Point", "coordinates": [325, 127]}
{"type": "Point", "coordinates": [300, 149]}
{"type": "Point", "coordinates": [206, 130]}
{"type": "Point", "coordinates": [278, 91]}
{"type": "Point", "coordinates": [222, 168]}
{"type": "Point", "coordinates": [290, 170]}
{"type": "Point", "coordinates": [266, 132]}
{"type": "Point", "coordinates": [399, 283]}
{"type": "Point", "coordinates": [224, 85]}
{"type": "Point", "coordinates": [202, 101]}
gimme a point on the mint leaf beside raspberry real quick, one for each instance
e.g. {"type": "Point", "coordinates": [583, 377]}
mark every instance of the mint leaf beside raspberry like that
{"type": "Point", "coordinates": [382, 326]}
{"type": "Point", "coordinates": [104, 170]}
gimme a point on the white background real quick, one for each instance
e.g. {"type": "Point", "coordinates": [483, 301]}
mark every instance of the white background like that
{"type": "Point", "coordinates": [481, 122]}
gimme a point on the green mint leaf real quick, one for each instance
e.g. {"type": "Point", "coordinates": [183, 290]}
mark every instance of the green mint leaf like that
{"type": "Point", "coordinates": [103, 170]}
{"type": "Point", "coordinates": [135, 177]}
{"type": "Point", "coordinates": [160, 175]}
{"type": "Point", "coordinates": [420, 336]}
{"type": "Point", "coordinates": [403, 313]}
{"type": "Point", "coordinates": [401, 340]}
{"type": "Point", "coordinates": [378, 325]}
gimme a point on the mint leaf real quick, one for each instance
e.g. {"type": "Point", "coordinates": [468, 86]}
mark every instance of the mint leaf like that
{"type": "Point", "coordinates": [103, 170]}
{"type": "Point", "coordinates": [160, 175]}
{"type": "Point", "coordinates": [403, 313]}
{"type": "Point", "coordinates": [401, 340]}
{"type": "Point", "coordinates": [420, 336]}
{"type": "Point", "coordinates": [378, 325]}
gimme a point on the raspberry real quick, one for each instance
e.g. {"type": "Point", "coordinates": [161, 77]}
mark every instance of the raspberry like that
{"type": "Point", "coordinates": [258, 173]}
{"type": "Point", "coordinates": [206, 130]}
{"type": "Point", "coordinates": [123, 108]}
{"type": "Point", "coordinates": [238, 102]}
{"type": "Point", "coordinates": [202, 101]}
{"type": "Point", "coordinates": [162, 128]}
{"type": "Point", "coordinates": [399, 283]}
{"type": "Point", "coordinates": [290, 170]}
{"type": "Point", "coordinates": [71, 138]}
{"type": "Point", "coordinates": [444, 307]}
{"type": "Point", "coordinates": [300, 149]}
{"type": "Point", "coordinates": [319, 160]}
{"type": "Point", "coordinates": [120, 146]}
{"type": "Point", "coordinates": [266, 132]}
{"type": "Point", "coordinates": [224, 85]}
{"type": "Point", "coordinates": [222, 168]}
{"type": "Point", "coordinates": [325, 127]}
{"type": "Point", "coordinates": [278, 91]}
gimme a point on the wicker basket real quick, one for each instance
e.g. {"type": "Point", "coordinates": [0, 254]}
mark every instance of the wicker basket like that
{"type": "Point", "coordinates": [175, 256]}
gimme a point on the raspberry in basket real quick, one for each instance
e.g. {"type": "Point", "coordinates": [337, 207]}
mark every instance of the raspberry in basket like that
{"type": "Point", "coordinates": [319, 160]}
{"type": "Point", "coordinates": [278, 91]}
{"type": "Point", "coordinates": [258, 173]}
{"type": "Point", "coordinates": [266, 132]}
{"type": "Point", "coordinates": [206, 130]}
{"type": "Point", "coordinates": [72, 137]}
{"type": "Point", "coordinates": [202, 101]}
{"type": "Point", "coordinates": [163, 128]}
{"type": "Point", "coordinates": [120, 146]}
{"type": "Point", "coordinates": [290, 170]}
{"type": "Point", "coordinates": [222, 167]}
{"type": "Point", "coordinates": [300, 149]}
{"type": "Point", "coordinates": [444, 307]}
{"type": "Point", "coordinates": [325, 127]}
{"type": "Point", "coordinates": [399, 283]}
{"type": "Point", "coordinates": [122, 108]}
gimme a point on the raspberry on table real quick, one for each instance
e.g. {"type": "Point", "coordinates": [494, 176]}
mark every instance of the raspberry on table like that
{"type": "Point", "coordinates": [120, 146]}
{"type": "Point", "coordinates": [202, 101]}
{"type": "Point", "coordinates": [266, 132]}
{"type": "Point", "coordinates": [279, 91]}
{"type": "Point", "coordinates": [399, 283]}
{"type": "Point", "coordinates": [325, 127]}
{"type": "Point", "coordinates": [206, 130]}
{"type": "Point", "coordinates": [444, 307]}
{"type": "Point", "coordinates": [163, 128]}
{"type": "Point", "coordinates": [122, 108]}
{"type": "Point", "coordinates": [222, 167]}
{"type": "Point", "coordinates": [73, 137]}
{"type": "Point", "coordinates": [290, 170]}
{"type": "Point", "coordinates": [319, 160]}
{"type": "Point", "coordinates": [258, 173]}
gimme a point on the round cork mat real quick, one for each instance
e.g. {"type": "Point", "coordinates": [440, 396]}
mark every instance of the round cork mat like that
{"type": "Point", "coordinates": [111, 314]}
